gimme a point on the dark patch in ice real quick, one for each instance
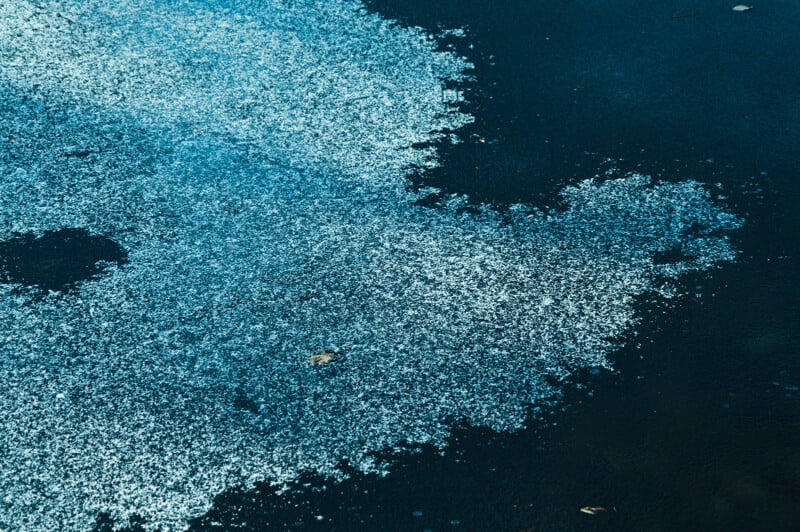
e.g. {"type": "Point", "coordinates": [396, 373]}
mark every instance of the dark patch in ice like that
{"type": "Point", "coordinates": [670, 256]}
{"type": "Point", "coordinates": [57, 260]}
{"type": "Point", "coordinates": [243, 402]}
{"type": "Point", "coordinates": [80, 154]}
{"type": "Point", "coordinates": [105, 523]}
{"type": "Point", "coordinates": [430, 201]}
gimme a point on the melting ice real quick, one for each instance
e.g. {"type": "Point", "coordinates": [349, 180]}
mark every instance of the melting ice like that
{"type": "Point", "coordinates": [251, 157]}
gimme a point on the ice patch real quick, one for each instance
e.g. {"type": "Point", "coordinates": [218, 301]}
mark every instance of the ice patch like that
{"type": "Point", "coordinates": [252, 161]}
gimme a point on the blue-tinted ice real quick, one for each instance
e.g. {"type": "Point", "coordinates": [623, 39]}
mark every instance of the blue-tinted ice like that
{"type": "Point", "coordinates": [252, 159]}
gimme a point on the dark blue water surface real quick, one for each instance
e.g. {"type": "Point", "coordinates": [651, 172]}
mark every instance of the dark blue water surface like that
{"type": "Point", "coordinates": [698, 427]}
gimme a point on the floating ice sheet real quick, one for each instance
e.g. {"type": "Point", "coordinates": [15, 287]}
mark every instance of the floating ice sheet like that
{"type": "Point", "coordinates": [251, 159]}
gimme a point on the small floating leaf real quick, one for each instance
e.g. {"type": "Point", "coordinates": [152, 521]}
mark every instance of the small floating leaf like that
{"type": "Point", "coordinates": [322, 357]}
{"type": "Point", "coordinates": [593, 510]}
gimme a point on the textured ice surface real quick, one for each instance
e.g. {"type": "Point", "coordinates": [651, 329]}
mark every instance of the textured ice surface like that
{"type": "Point", "coordinates": [252, 161]}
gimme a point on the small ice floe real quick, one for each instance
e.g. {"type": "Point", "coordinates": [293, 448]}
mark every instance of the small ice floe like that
{"type": "Point", "coordinates": [323, 357]}
{"type": "Point", "coordinates": [742, 7]}
{"type": "Point", "coordinates": [594, 510]}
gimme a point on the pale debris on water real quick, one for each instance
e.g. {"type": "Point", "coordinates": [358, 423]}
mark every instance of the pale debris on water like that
{"type": "Point", "coordinates": [322, 357]}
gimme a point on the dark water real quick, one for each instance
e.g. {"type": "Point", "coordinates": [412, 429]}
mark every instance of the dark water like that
{"type": "Point", "coordinates": [698, 427]}
{"type": "Point", "coordinates": [56, 260]}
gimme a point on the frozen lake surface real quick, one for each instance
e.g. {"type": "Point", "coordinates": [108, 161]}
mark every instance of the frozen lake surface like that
{"type": "Point", "coordinates": [252, 162]}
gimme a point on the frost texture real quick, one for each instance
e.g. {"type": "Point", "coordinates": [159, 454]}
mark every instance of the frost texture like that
{"type": "Point", "coordinates": [252, 161]}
